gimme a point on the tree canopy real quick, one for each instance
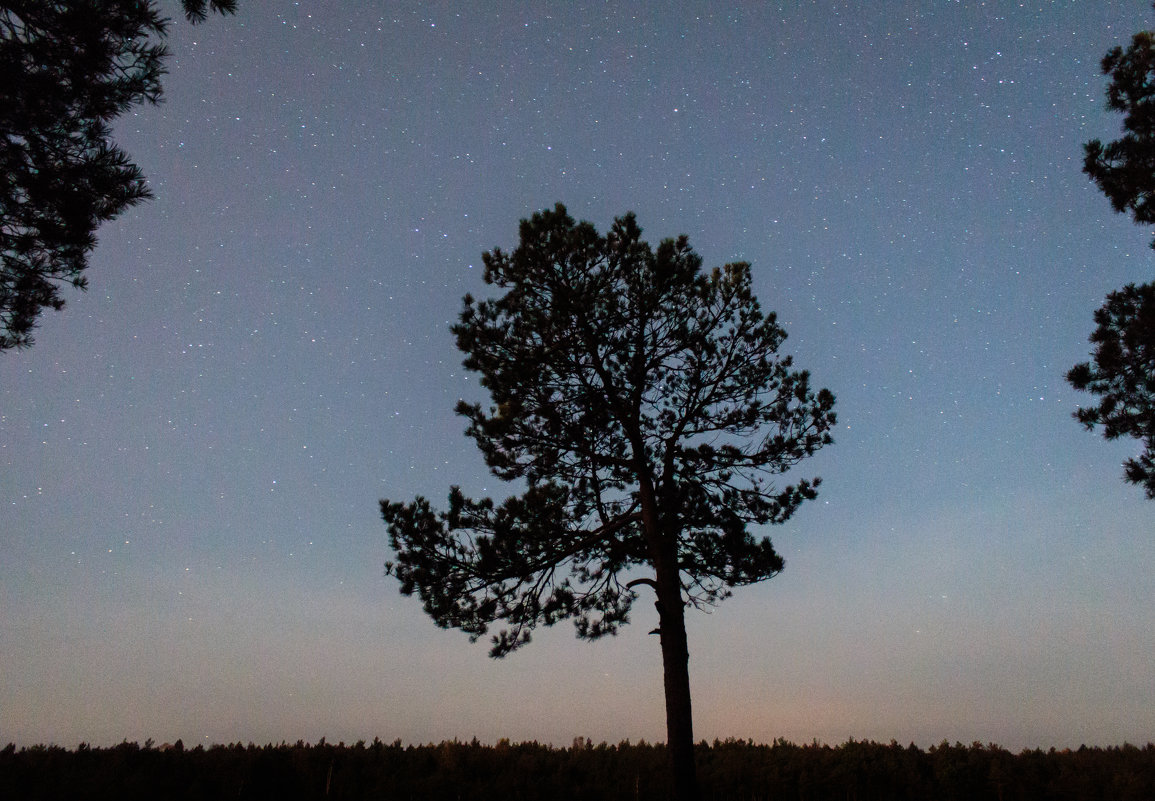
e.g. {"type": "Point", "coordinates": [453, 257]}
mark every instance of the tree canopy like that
{"type": "Point", "coordinates": [69, 69]}
{"type": "Point", "coordinates": [1123, 376]}
{"type": "Point", "coordinates": [1122, 373]}
{"type": "Point", "coordinates": [644, 406]}
{"type": "Point", "coordinates": [1124, 170]}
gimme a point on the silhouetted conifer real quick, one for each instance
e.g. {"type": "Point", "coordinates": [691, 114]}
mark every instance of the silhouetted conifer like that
{"type": "Point", "coordinates": [1123, 372]}
{"type": "Point", "coordinates": [1124, 169]}
{"type": "Point", "coordinates": [645, 406]}
{"type": "Point", "coordinates": [1123, 376]}
{"type": "Point", "coordinates": [67, 70]}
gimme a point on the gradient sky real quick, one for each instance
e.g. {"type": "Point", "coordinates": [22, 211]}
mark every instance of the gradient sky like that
{"type": "Point", "coordinates": [192, 452]}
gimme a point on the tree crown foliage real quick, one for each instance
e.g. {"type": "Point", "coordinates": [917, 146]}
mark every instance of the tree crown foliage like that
{"type": "Point", "coordinates": [1124, 169]}
{"type": "Point", "coordinates": [70, 69]}
{"type": "Point", "coordinates": [1123, 377]}
{"type": "Point", "coordinates": [615, 370]}
{"type": "Point", "coordinates": [1122, 372]}
{"type": "Point", "coordinates": [197, 10]}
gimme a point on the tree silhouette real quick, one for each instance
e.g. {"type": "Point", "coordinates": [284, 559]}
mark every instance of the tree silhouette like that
{"type": "Point", "coordinates": [67, 70]}
{"type": "Point", "coordinates": [1124, 170]}
{"type": "Point", "coordinates": [644, 406]}
{"type": "Point", "coordinates": [1123, 373]}
{"type": "Point", "coordinates": [1123, 377]}
{"type": "Point", "coordinates": [531, 771]}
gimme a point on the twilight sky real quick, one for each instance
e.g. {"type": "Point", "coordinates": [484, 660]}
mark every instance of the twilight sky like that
{"type": "Point", "coordinates": [192, 452]}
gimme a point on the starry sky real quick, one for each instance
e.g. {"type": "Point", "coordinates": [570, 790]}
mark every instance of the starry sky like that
{"type": "Point", "coordinates": [192, 452]}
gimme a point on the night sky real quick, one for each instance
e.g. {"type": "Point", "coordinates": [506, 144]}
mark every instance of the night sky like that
{"type": "Point", "coordinates": [192, 452]}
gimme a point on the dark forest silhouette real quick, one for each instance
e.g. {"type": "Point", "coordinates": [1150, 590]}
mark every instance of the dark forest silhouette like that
{"type": "Point", "coordinates": [728, 770]}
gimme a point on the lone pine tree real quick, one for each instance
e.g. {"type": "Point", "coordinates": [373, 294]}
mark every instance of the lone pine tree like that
{"type": "Point", "coordinates": [644, 406]}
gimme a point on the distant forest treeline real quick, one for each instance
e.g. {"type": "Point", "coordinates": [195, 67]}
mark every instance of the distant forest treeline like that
{"type": "Point", "coordinates": [731, 769]}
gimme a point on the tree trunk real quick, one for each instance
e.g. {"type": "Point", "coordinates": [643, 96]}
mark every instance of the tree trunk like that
{"type": "Point", "coordinates": [676, 666]}
{"type": "Point", "coordinates": [675, 651]}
